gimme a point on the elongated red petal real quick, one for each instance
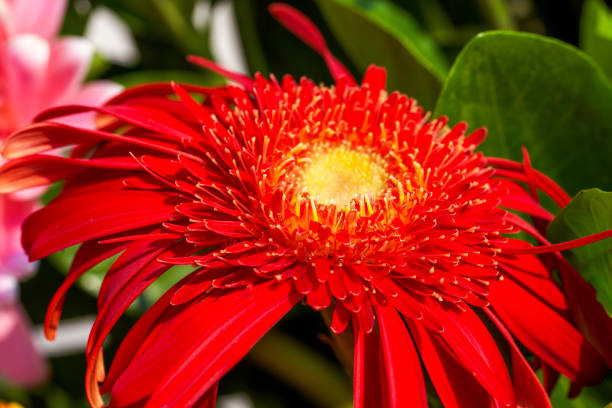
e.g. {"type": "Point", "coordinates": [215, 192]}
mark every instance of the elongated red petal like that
{"type": "Point", "coordinates": [589, 315]}
{"type": "Point", "coordinates": [215, 334]}
{"type": "Point", "coordinates": [41, 170]}
{"type": "Point", "coordinates": [42, 137]}
{"type": "Point", "coordinates": [137, 335]}
{"type": "Point", "coordinates": [87, 256]}
{"type": "Point", "coordinates": [209, 399]}
{"type": "Point", "coordinates": [560, 345]}
{"type": "Point", "coordinates": [243, 80]}
{"type": "Point", "coordinates": [404, 381]}
{"type": "Point", "coordinates": [469, 339]}
{"type": "Point", "coordinates": [367, 384]}
{"type": "Point", "coordinates": [456, 387]}
{"type": "Point", "coordinates": [529, 272]}
{"type": "Point", "coordinates": [563, 246]}
{"type": "Point", "coordinates": [529, 391]}
{"type": "Point", "coordinates": [88, 216]}
{"type": "Point", "coordinates": [115, 307]}
{"type": "Point", "coordinates": [303, 28]}
{"type": "Point", "coordinates": [135, 257]}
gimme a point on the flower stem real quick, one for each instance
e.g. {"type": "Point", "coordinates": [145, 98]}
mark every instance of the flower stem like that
{"type": "Point", "coordinates": [303, 369]}
{"type": "Point", "coordinates": [343, 343]}
{"type": "Point", "coordinates": [496, 13]}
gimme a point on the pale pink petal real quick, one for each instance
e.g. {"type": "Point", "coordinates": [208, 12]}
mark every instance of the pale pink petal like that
{"type": "Point", "coordinates": [96, 93]}
{"type": "Point", "coordinates": [68, 64]}
{"type": "Point", "coordinates": [42, 17]}
{"type": "Point", "coordinates": [20, 362]}
{"type": "Point", "coordinates": [93, 94]}
{"type": "Point", "coordinates": [24, 66]}
{"type": "Point", "coordinates": [9, 290]}
{"type": "Point", "coordinates": [5, 21]}
{"type": "Point", "coordinates": [13, 260]}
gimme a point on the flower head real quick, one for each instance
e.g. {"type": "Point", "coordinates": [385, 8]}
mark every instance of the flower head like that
{"type": "Point", "coordinates": [346, 197]}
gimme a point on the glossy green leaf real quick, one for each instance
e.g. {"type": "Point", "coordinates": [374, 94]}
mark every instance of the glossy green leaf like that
{"type": "Point", "coordinates": [379, 32]}
{"type": "Point", "coordinates": [588, 213]}
{"type": "Point", "coordinates": [596, 33]}
{"type": "Point", "coordinates": [537, 92]}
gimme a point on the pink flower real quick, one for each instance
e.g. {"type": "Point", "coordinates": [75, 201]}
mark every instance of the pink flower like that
{"type": "Point", "coordinates": [37, 71]}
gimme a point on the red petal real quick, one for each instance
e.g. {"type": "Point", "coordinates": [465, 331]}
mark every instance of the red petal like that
{"type": "Point", "coordinates": [366, 377]}
{"type": "Point", "coordinates": [320, 297]}
{"type": "Point", "coordinates": [474, 347]}
{"type": "Point", "coordinates": [546, 333]}
{"type": "Point", "coordinates": [321, 268]}
{"type": "Point", "coordinates": [529, 272]}
{"type": "Point", "coordinates": [152, 119]}
{"type": "Point", "coordinates": [518, 199]}
{"type": "Point", "coordinates": [41, 170]}
{"type": "Point", "coordinates": [137, 335]}
{"type": "Point", "coordinates": [305, 30]}
{"type": "Point", "coordinates": [87, 256]}
{"type": "Point", "coordinates": [376, 78]}
{"type": "Point", "coordinates": [80, 218]}
{"type": "Point", "coordinates": [404, 380]}
{"type": "Point", "coordinates": [529, 391]}
{"type": "Point", "coordinates": [42, 137]}
{"type": "Point", "coordinates": [456, 387]}
{"type": "Point", "coordinates": [135, 257]}
{"type": "Point", "coordinates": [198, 110]}
{"type": "Point", "coordinates": [116, 306]}
{"type": "Point", "coordinates": [589, 315]}
{"type": "Point", "coordinates": [243, 80]}
{"type": "Point", "coordinates": [186, 355]}
{"type": "Point", "coordinates": [340, 318]}
{"type": "Point", "coordinates": [209, 399]}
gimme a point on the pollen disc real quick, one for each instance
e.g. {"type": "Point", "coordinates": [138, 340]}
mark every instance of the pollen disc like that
{"type": "Point", "coordinates": [339, 174]}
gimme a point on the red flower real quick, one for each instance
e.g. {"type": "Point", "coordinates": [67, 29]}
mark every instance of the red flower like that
{"type": "Point", "coordinates": [345, 197]}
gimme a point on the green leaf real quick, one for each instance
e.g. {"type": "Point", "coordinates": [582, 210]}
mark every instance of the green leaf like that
{"type": "Point", "coordinates": [537, 92]}
{"type": "Point", "coordinates": [596, 33]}
{"type": "Point", "coordinates": [379, 32]}
{"type": "Point", "coordinates": [588, 213]}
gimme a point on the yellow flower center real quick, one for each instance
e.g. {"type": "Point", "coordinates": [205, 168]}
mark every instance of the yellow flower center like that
{"type": "Point", "coordinates": [339, 174]}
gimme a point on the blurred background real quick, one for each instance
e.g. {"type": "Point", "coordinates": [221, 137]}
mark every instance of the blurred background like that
{"type": "Point", "coordinates": [140, 41]}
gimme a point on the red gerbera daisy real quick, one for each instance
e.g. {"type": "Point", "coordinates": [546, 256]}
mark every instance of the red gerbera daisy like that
{"type": "Point", "coordinates": [345, 197]}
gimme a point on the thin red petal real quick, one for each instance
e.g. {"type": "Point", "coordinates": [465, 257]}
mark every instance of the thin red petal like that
{"type": "Point", "coordinates": [366, 366]}
{"type": "Point", "coordinates": [472, 343]}
{"type": "Point", "coordinates": [558, 344]}
{"type": "Point", "coordinates": [243, 80]}
{"type": "Point", "coordinates": [115, 307]}
{"type": "Point", "coordinates": [529, 391]}
{"type": "Point", "coordinates": [563, 246]}
{"type": "Point", "coordinates": [589, 315]}
{"type": "Point", "coordinates": [80, 218]}
{"type": "Point", "coordinates": [41, 170]}
{"type": "Point", "coordinates": [88, 255]}
{"type": "Point", "coordinates": [305, 30]}
{"type": "Point", "coordinates": [404, 380]}
{"type": "Point", "coordinates": [208, 338]}
{"type": "Point", "coordinates": [456, 387]}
